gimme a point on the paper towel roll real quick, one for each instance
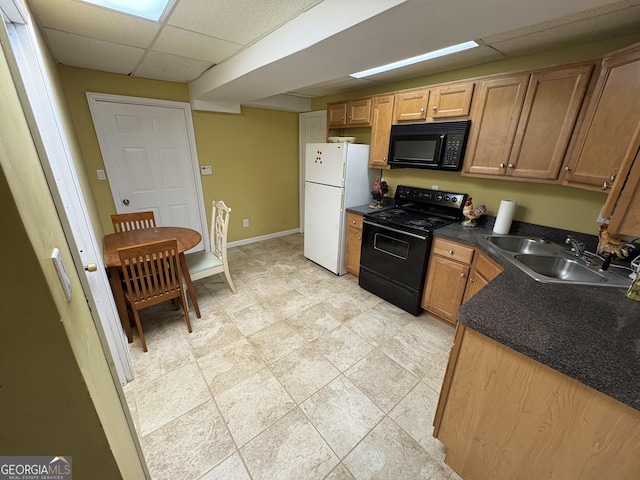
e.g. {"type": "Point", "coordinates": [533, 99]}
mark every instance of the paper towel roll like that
{"type": "Point", "coordinates": [505, 216]}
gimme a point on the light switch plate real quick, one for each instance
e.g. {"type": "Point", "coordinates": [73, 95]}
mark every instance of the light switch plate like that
{"type": "Point", "coordinates": [62, 273]}
{"type": "Point", "coordinates": [101, 174]}
{"type": "Point", "coordinates": [206, 170]}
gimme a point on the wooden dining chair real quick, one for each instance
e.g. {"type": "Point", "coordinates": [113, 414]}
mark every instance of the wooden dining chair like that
{"type": "Point", "coordinates": [152, 275]}
{"type": "Point", "coordinates": [207, 263]}
{"type": "Point", "coordinates": [123, 222]}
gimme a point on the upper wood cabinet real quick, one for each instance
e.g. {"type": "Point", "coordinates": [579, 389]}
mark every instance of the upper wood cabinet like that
{"type": "Point", "coordinates": [622, 203]}
{"type": "Point", "coordinates": [433, 103]}
{"type": "Point", "coordinates": [609, 136]}
{"type": "Point", "coordinates": [494, 120]}
{"type": "Point", "coordinates": [411, 106]}
{"type": "Point", "coordinates": [522, 125]}
{"type": "Point", "coordinates": [352, 113]}
{"type": "Point", "coordinates": [380, 131]}
{"type": "Point", "coordinates": [450, 101]}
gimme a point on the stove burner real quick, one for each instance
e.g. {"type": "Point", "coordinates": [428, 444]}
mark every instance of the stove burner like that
{"type": "Point", "coordinates": [419, 223]}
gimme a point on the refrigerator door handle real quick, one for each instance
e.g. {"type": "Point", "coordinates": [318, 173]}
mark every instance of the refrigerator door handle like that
{"type": "Point", "coordinates": [342, 202]}
{"type": "Point", "coordinates": [344, 172]}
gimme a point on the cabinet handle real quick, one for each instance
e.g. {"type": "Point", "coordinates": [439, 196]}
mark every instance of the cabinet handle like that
{"type": "Point", "coordinates": [502, 165]}
{"type": "Point", "coordinates": [359, 238]}
{"type": "Point", "coordinates": [567, 169]}
{"type": "Point", "coordinates": [462, 275]}
{"type": "Point", "coordinates": [421, 110]}
{"type": "Point", "coordinates": [613, 177]}
{"type": "Point", "coordinates": [434, 108]}
{"type": "Point", "coordinates": [606, 186]}
{"type": "Point", "coordinates": [450, 252]}
{"type": "Point", "coordinates": [511, 165]}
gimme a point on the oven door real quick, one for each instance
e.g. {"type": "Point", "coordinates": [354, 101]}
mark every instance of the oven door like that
{"type": "Point", "coordinates": [393, 265]}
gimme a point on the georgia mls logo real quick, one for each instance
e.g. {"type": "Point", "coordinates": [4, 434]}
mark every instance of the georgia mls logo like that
{"type": "Point", "coordinates": [35, 468]}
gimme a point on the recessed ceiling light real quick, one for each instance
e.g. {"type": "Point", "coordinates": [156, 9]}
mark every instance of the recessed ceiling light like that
{"type": "Point", "coordinates": [150, 9]}
{"type": "Point", "coordinates": [420, 58]}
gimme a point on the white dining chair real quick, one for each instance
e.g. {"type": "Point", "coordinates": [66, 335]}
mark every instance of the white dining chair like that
{"type": "Point", "coordinates": [207, 263]}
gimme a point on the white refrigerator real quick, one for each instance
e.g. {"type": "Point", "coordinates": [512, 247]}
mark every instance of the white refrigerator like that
{"type": "Point", "coordinates": [337, 177]}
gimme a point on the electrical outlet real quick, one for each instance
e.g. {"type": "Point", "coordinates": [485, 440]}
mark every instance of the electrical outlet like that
{"type": "Point", "coordinates": [434, 187]}
{"type": "Point", "coordinates": [101, 175]}
{"type": "Point", "coordinates": [245, 222]}
{"type": "Point", "coordinates": [206, 170]}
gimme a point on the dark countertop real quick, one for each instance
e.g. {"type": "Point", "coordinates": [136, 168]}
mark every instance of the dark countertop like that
{"type": "Point", "coordinates": [363, 209]}
{"type": "Point", "coordinates": [591, 334]}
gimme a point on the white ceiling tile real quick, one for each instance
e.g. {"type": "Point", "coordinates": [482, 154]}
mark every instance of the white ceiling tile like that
{"type": "Point", "coordinates": [240, 21]}
{"type": "Point", "coordinates": [95, 22]}
{"type": "Point", "coordinates": [163, 66]}
{"type": "Point", "coordinates": [78, 51]}
{"type": "Point", "coordinates": [194, 45]}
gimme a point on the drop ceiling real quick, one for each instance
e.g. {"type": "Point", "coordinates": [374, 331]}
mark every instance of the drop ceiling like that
{"type": "Point", "coordinates": [282, 53]}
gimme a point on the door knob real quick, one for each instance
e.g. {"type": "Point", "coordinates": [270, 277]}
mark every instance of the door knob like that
{"type": "Point", "coordinates": [126, 201]}
{"type": "Point", "coordinates": [91, 267]}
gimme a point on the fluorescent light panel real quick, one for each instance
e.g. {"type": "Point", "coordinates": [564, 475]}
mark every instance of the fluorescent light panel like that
{"type": "Point", "coordinates": [417, 59]}
{"type": "Point", "coordinates": [149, 9]}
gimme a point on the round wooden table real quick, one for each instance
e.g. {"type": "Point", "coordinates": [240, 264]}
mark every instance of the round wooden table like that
{"type": "Point", "coordinates": [186, 238]}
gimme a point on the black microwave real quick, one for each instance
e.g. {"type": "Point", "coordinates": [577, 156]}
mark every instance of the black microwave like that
{"type": "Point", "coordinates": [431, 145]}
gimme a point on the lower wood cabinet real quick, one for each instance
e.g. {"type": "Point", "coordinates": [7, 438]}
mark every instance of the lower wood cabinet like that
{"type": "Point", "coordinates": [455, 273]}
{"type": "Point", "coordinates": [353, 243]}
{"type": "Point", "coordinates": [504, 415]}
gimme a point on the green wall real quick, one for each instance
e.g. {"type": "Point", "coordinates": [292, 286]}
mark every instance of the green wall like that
{"type": "Point", "coordinates": [254, 155]}
{"type": "Point", "coordinates": [544, 204]}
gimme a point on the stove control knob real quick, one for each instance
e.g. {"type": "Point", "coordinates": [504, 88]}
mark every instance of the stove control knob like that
{"type": "Point", "coordinates": [439, 197]}
{"type": "Point", "coordinates": [454, 199]}
{"type": "Point", "coordinates": [446, 198]}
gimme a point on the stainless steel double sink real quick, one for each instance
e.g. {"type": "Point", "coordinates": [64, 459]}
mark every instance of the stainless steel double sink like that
{"type": "Point", "coordinates": [549, 262]}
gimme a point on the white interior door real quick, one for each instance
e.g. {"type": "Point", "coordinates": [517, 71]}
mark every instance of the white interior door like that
{"type": "Point", "coordinates": [149, 158]}
{"type": "Point", "coordinates": [47, 130]}
{"type": "Point", "coordinates": [313, 129]}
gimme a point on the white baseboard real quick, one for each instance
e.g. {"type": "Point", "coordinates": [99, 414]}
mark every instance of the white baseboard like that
{"type": "Point", "coordinates": [247, 241]}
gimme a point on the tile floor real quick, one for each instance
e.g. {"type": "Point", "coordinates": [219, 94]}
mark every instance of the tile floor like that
{"type": "Point", "coordinates": [299, 375]}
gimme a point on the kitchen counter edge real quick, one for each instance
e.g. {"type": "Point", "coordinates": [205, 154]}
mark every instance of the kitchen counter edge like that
{"type": "Point", "coordinates": [591, 334]}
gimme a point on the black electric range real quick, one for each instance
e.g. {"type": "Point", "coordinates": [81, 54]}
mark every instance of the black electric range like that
{"type": "Point", "coordinates": [396, 243]}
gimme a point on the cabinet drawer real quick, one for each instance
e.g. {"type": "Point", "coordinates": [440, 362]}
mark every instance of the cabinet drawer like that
{"type": "Point", "coordinates": [354, 221]}
{"type": "Point", "coordinates": [452, 250]}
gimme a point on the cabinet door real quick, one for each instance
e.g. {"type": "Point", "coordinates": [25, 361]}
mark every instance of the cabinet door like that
{"type": "Point", "coordinates": [483, 271]}
{"type": "Point", "coordinates": [337, 114]}
{"type": "Point", "coordinates": [380, 131]}
{"type": "Point", "coordinates": [451, 101]}
{"type": "Point", "coordinates": [551, 107]}
{"type": "Point", "coordinates": [359, 113]}
{"type": "Point", "coordinates": [411, 106]}
{"type": "Point", "coordinates": [353, 243]}
{"type": "Point", "coordinates": [610, 132]}
{"type": "Point", "coordinates": [445, 285]}
{"type": "Point", "coordinates": [625, 219]}
{"type": "Point", "coordinates": [494, 119]}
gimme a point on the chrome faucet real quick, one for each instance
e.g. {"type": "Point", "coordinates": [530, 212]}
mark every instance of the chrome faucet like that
{"type": "Point", "coordinates": [576, 247]}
